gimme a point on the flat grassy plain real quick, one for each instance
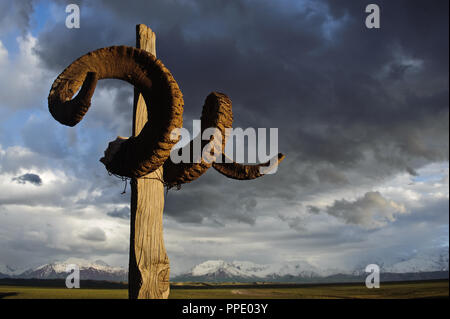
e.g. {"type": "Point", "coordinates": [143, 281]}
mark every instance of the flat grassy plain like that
{"type": "Point", "coordinates": [425, 289]}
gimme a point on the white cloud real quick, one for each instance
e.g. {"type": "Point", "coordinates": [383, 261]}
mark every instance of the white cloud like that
{"type": "Point", "coordinates": [23, 83]}
{"type": "Point", "coordinates": [41, 234]}
{"type": "Point", "coordinates": [371, 211]}
{"type": "Point", "coordinates": [430, 183]}
{"type": "Point", "coordinates": [15, 158]}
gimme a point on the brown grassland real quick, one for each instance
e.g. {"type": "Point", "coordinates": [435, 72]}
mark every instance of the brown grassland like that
{"type": "Point", "coordinates": [424, 289]}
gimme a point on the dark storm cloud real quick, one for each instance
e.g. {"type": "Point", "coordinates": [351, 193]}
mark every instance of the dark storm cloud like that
{"type": "Point", "coordinates": [352, 105]}
{"type": "Point", "coordinates": [313, 210]}
{"type": "Point", "coordinates": [28, 177]}
{"type": "Point", "coordinates": [15, 14]}
{"type": "Point", "coordinates": [199, 202]}
{"type": "Point", "coordinates": [278, 60]}
{"type": "Point", "coordinates": [331, 176]}
{"type": "Point", "coordinates": [434, 212]}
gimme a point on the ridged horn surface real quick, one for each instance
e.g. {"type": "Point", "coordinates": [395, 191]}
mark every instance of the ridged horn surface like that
{"type": "Point", "coordinates": [217, 113]}
{"type": "Point", "coordinates": [245, 172]}
{"type": "Point", "coordinates": [144, 153]}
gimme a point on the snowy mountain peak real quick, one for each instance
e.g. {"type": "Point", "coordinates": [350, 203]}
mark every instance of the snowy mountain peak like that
{"type": "Point", "coordinates": [430, 260]}
{"type": "Point", "coordinates": [61, 266]}
{"type": "Point", "coordinates": [235, 268]}
{"type": "Point", "coordinates": [101, 263]}
{"type": "Point", "coordinates": [248, 269]}
{"type": "Point", "coordinates": [10, 270]}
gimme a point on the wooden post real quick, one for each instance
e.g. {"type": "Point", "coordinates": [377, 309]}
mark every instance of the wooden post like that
{"type": "Point", "coordinates": [148, 274]}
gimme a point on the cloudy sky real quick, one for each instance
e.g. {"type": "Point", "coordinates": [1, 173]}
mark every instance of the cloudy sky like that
{"type": "Point", "coordinates": [362, 116]}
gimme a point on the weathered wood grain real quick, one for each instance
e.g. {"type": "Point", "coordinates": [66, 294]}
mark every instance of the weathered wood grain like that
{"type": "Point", "coordinates": [149, 264]}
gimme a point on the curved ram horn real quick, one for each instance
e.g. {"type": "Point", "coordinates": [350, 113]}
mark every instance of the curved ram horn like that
{"type": "Point", "coordinates": [243, 171]}
{"type": "Point", "coordinates": [141, 154]}
{"type": "Point", "coordinates": [216, 113]}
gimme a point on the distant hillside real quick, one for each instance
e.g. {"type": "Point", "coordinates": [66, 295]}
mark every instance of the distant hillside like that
{"type": "Point", "coordinates": [336, 278]}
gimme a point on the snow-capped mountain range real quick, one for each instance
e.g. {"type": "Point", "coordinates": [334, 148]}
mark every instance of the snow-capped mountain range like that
{"type": "Point", "coordinates": [8, 271]}
{"type": "Point", "coordinates": [431, 264]}
{"type": "Point", "coordinates": [247, 269]}
{"type": "Point", "coordinates": [96, 270]}
{"type": "Point", "coordinates": [436, 261]}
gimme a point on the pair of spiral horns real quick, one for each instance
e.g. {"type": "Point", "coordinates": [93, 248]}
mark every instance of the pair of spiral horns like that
{"type": "Point", "coordinates": [142, 154]}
